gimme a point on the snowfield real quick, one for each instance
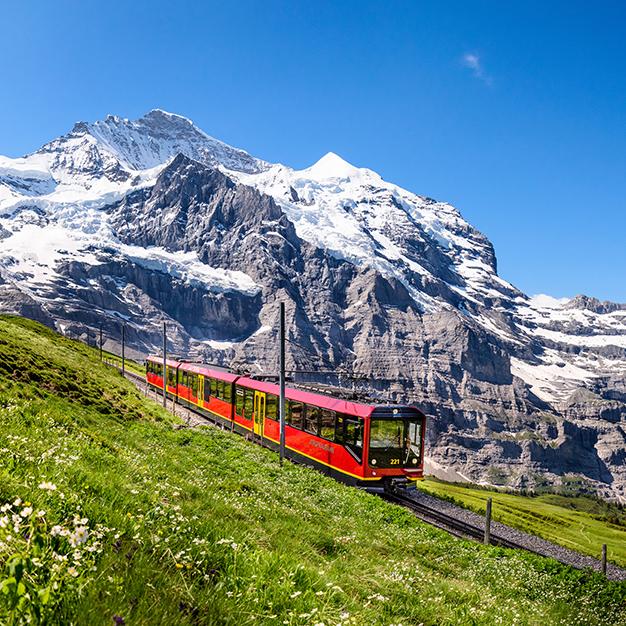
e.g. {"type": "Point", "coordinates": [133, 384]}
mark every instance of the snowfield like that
{"type": "Point", "coordinates": [53, 209]}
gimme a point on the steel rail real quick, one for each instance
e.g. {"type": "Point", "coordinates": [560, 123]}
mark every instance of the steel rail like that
{"type": "Point", "coordinates": [430, 515]}
{"type": "Point", "coordinates": [449, 523]}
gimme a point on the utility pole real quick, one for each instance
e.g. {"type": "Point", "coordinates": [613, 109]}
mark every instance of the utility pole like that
{"type": "Point", "coordinates": [282, 382]}
{"type": "Point", "coordinates": [101, 341]}
{"type": "Point", "coordinates": [164, 367]}
{"type": "Point", "coordinates": [604, 559]}
{"type": "Point", "coordinates": [123, 349]}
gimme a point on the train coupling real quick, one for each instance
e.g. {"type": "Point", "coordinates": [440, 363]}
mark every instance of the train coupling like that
{"type": "Point", "coordinates": [398, 484]}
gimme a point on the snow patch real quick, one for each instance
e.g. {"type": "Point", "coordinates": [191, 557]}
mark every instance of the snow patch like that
{"type": "Point", "coordinates": [543, 301]}
{"type": "Point", "coordinates": [331, 165]}
{"type": "Point", "coordinates": [187, 267]}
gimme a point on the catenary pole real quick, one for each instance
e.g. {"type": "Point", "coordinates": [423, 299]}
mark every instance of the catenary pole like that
{"type": "Point", "coordinates": [123, 349]}
{"type": "Point", "coordinates": [101, 342]}
{"type": "Point", "coordinates": [164, 366]}
{"type": "Point", "coordinates": [282, 382]}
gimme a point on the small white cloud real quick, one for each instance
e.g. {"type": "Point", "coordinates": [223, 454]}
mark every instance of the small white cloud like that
{"type": "Point", "coordinates": [472, 61]}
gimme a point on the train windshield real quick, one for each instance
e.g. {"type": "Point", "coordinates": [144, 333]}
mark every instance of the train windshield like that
{"type": "Point", "coordinates": [395, 442]}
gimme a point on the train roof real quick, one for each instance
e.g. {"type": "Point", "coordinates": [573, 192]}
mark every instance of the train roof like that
{"type": "Point", "coordinates": [159, 360]}
{"type": "Point", "coordinates": [207, 371]}
{"type": "Point", "coordinates": [339, 405]}
{"type": "Point", "coordinates": [196, 368]}
{"type": "Point", "coordinates": [324, 402]}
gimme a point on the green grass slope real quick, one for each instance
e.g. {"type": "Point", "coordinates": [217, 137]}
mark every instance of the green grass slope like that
{"type": "Point", "coordinates": [110, 515]}
{"type": "Point", "coordinates": [577, 522]}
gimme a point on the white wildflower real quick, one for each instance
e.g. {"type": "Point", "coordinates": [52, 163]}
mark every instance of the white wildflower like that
{"type": "Point", "coordinates": [47, 486]}
{"type": "Point", "coordinates": [27, 512]}
{"type": "Point", "coordinates": [79, 536]}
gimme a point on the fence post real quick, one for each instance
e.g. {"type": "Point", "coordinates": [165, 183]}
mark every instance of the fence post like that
{"type": "Point", "coordinates": [604, 558]}
{"type": "Point", "coordinates": [487, 539]}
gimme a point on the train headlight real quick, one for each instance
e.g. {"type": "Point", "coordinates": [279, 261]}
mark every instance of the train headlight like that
{"type": "Point", "coordinates": [373, 461]}
{"type": "Point", "coordinates": [414, 461]}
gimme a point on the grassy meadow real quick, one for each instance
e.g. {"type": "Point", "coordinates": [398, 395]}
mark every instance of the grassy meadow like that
{"type": "Point", "coordinates": [578, 522]}
{"type": "Point", "coordinates": [112, 514]}
{"type": "Point", "coordinates": [130, 364]}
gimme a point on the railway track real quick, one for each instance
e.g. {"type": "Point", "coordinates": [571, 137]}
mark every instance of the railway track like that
{"type": "Point", "coordinates": [428, 514]}
{"type": "Point", "coordinates": [453, 523]}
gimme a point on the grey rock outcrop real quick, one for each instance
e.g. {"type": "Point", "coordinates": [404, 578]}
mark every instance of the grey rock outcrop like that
{"type": "Point", "coordinates": [388, 294]}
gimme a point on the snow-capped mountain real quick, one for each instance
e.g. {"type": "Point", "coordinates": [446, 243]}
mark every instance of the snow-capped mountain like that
{"type": "Point", "coordinates": [153, 219]}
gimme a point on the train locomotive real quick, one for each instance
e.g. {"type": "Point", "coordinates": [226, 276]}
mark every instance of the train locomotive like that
{"type": "Point", "coordinates": [371, 446]}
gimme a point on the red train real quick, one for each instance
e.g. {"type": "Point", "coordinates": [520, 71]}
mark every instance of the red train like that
{"type": "Point", "coordinates": [365, 445]}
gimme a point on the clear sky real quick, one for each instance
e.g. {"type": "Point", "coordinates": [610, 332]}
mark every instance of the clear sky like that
{"type": "Point", "coordinates": [515, 112]}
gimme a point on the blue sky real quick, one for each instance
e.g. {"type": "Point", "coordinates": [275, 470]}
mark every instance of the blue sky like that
{"type": "Point", "coordinates": [513, 112]}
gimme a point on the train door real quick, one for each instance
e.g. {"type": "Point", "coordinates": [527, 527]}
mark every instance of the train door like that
{"type": "Point", "coordinates": [200, 389]}
{"type": "Point", "coordinates": [259, 412]}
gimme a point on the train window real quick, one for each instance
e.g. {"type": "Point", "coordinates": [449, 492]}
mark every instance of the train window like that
{"type": "Point", "coordinates": [312, 419]}
{"type": "Point", "coordinates": [327, 424]}
{"type": "Point", "coordinates": [194, 385]}
{"type": "Point", "coordinates": [171, 376]}
{"type": "Point", "coordinates": [206, 390]}
{"type": "Point", "coordinates": [213, 387]}
{"type": "Point", "coordinates": [239, 400]}
{"type": "Point", "coordinates": [294, 414]}
{"type": "Point", "coordinates": [248, 402]}
{"type": "Point", "coordinates": [395, 442]}
{"type": "Point", "coordinates": [349, 432]}
{"type": "Point", "coordinates": [353, 430]}
{"type": "Point", "coordinates": [220, 389]}
{"type": "Point", "coordinates": [228, 388]}
{"type": "Point", "coordinates": [271, 407]}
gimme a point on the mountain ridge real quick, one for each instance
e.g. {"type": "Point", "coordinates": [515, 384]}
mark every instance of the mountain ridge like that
{"type": "Point", "coordinates": [154, 219]}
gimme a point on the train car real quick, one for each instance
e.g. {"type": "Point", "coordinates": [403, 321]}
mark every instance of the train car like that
{"type": "Point", "coordinates": [154, 374]}
{"type": "Point", "coordinates": [366, 445]}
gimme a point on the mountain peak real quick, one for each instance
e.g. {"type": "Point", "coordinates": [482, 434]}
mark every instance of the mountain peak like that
{"type": "Point", "coordinates": [160, 114]}
{"type": "Point", "coordinates": [331, 165]}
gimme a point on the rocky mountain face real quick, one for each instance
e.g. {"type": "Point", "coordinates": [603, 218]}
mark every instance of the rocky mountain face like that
{"type": "Point", "coordinates": [387, 292]}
